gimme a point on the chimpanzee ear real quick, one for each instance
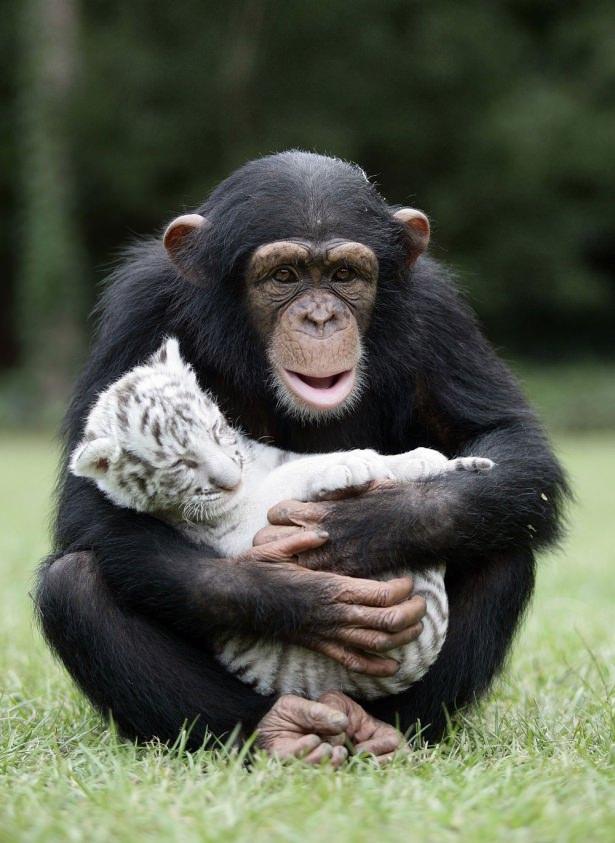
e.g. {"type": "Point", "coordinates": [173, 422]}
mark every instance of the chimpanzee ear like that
{"type": "Point", "coordinates": [92, 457]}
{"type": "Point", "coordinates": [180, 237]}
{"type": "Point", "coordinates": [417, 226]}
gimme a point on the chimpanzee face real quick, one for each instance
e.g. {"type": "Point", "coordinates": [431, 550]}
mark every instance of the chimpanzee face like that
{"type": "Point", "coordinates": [309, 295]}
{"type": "Point", "coordinates": [311, 304]}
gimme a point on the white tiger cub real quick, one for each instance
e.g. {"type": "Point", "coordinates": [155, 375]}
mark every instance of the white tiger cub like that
{"type": "Point", "coordinates": [156, 443]}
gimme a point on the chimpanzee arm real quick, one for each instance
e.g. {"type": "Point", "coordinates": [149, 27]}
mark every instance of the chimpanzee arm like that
{"type": "Point", "coordinates": [454, 519]}
{"type": "Point", "coordinates": [473, 405]}
{"type": "Point", "coordinates": [466, 402]}
{"type": "Point", "coordinates": [151, 681]}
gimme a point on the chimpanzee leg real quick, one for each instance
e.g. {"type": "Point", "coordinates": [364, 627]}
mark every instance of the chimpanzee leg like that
{"type": "Point", "coordinates": [150, 681]}
{"type": "Point", "coordinates": [486, 603]}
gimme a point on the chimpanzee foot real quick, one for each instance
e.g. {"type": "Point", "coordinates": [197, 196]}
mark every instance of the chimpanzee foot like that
{"type": "Point", "coordinates": [298, 728]}
{"type": "Point", "coordinates": [368, 735]}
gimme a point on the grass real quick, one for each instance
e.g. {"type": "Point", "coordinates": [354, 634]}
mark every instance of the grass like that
{"type": "Point", "coordinates": [535, 763]}
{"type": "Point", "coordinates": [575, 396]}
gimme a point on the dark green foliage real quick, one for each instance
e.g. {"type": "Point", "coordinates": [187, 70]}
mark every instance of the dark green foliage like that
{"type": "Point", "coordinates": [496, 118]}
{"type": "Point", "coordinates": [50, 289]}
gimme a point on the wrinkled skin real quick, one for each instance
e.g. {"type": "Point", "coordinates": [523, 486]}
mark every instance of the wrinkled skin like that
{"type": "Point", "coordinates": [325, 730]}
{"type": "Point", "coordinates": [354, 615]}
{"type": "Point", "coordinates": [366, 734]}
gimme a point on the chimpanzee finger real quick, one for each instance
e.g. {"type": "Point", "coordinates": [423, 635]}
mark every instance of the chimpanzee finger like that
{"type": "Point", "coordinates": [320, 754]}
{"type": "Point", "coordinates": [391, 619]}
{"type": "Point", "coordinates": [338, 756]}
{"type": "Point", "coordinates": [286, 548]}
{"type": "Point", "coordinates": [357, 661]}
{"type": "Point", "coordinates": [380, 744]}
{"type": "Point", "coordinates": [337, 740]}
{"type": "Point", "coordinates": [379, 642]}
{"type": "Point", "coordinates": [274, 534]}
{"type": "Point", "coordinates": [373, 592]}
{"type": "Point", "coordinates": [295, 748]}
{"type": "Point", "coordinates": [312, 716]}
{"type": "Point", "coordinates": [297, 513]}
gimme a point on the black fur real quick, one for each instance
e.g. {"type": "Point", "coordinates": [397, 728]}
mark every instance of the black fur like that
{"type": "Point", "coordinates": [132, 628]}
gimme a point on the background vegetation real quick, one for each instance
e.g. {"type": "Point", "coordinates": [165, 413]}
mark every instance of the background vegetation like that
{"type": "Point", "coordinates": [498, 118]}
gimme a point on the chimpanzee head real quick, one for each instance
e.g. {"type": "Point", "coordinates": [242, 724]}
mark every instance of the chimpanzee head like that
{"type": "Point", "coordinates": [307, 243]}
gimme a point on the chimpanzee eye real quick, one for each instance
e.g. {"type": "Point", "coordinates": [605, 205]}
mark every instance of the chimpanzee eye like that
{"type": "Point", "coordinates": [342, 273]}
{"type": "Point", "coordinates": [284, 275]}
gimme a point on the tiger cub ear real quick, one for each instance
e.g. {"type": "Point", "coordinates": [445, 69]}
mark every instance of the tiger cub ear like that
{"type": "Point", "coordinates": [93, 457]}
{"type": "Point", "coordinates": [168, 355]}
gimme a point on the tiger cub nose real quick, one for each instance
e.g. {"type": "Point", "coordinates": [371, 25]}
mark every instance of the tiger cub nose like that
{"type": "Point", "coordinates": [223, 472]}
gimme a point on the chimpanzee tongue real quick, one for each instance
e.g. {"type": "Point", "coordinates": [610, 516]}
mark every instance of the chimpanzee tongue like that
{"type": "Point", "coordinates": [323, 393]}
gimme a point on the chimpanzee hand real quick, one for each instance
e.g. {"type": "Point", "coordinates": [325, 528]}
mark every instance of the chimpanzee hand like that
{"type": "Point", "coordinates": [299, 728]}
{"type": "Point", "coordinates": [367, 532]}
{"type": "Point", "coordinates": [365, 733]}
{"type": "Point", "coordinates": [341, 617]}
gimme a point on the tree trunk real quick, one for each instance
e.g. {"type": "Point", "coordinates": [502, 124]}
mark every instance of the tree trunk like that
{"type": "Point", "coordinates": [50, 289]}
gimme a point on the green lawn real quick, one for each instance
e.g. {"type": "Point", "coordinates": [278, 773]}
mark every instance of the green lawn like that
{"type": "Point", "coordinates": [536, 763]}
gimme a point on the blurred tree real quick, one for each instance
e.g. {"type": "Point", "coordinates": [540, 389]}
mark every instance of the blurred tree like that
{"type": "Point", "coordinates": [497, 118]}
{"type": "Point", "coordinates": [50, 291]}
{"type": "Point", "coordinates": [8, 186]}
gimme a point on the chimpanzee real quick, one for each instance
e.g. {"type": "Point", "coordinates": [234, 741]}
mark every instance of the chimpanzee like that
{"type": "Point", "coordinates": [306, 306]}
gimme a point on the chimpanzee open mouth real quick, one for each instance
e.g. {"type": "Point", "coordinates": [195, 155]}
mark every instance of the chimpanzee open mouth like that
{"type": "Point", "coordinates": [322, 392]}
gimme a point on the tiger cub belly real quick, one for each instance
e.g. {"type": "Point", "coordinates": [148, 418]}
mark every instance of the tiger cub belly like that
{"type": "Point", "coordinates": [273, 667]}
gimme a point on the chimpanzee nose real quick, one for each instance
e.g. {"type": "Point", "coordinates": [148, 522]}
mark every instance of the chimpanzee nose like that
{"type": "Point", "coordinates": [318, 315]}
{"type": "Point", "coordinates": [223, 472]}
